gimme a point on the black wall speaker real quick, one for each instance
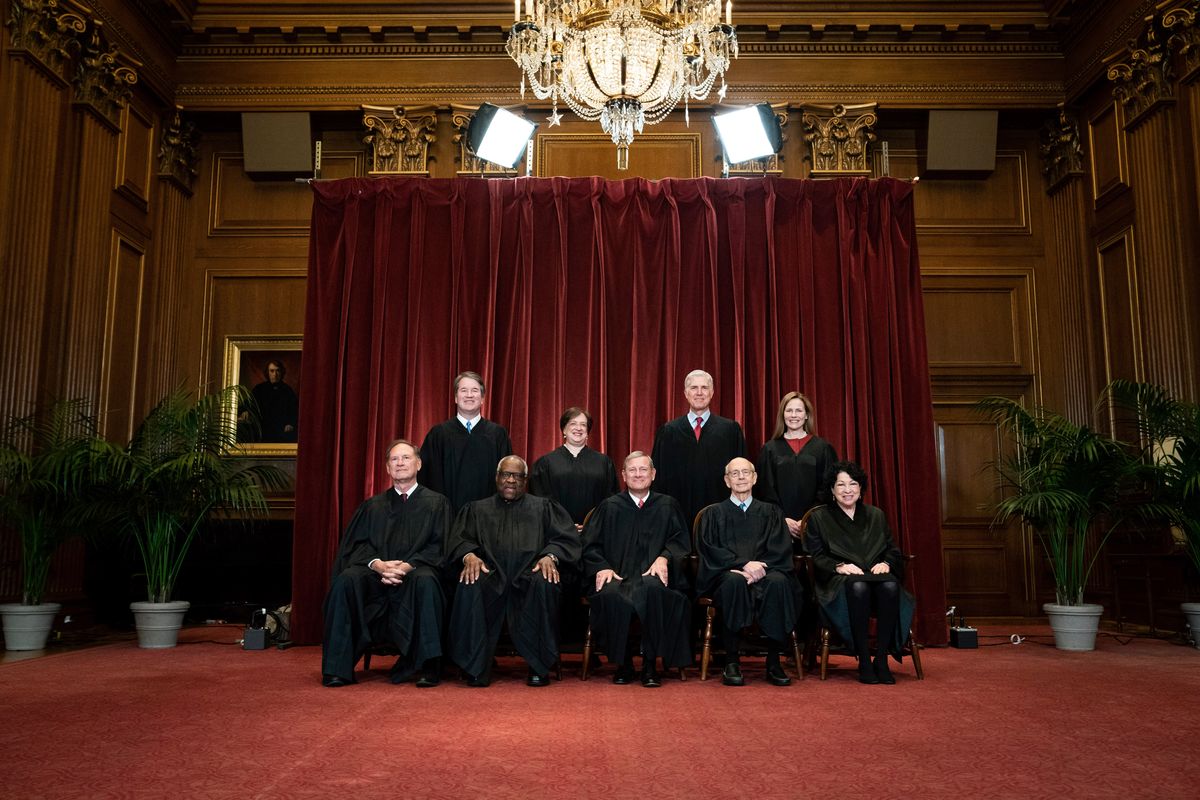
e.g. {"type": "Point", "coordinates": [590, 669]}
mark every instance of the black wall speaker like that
{"type": "Point", "coordinates": [961, 141]}
{"type": "Point", "coordinates": [277, 144]}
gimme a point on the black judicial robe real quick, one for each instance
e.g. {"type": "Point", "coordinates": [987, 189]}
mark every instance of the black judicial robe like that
{"type": "Point", "coordinates": [578, 483]}
{"type": "Point", "coordinates": [727, 539]}
{"type": "Point", "coordinates": [462, 465]}
{"type": "Point", "coordinates": [833, 538]}
{"type": "Point", "coordinates": [691, 471]}
{"type": "Point", "coordinates": [278, 407]}
{"type": "Point", "coordinates": [792, 480]}
{"type": "Point", "coordinates": [510, 537]}
{"type": "Point", "coordinates": [627, 539]}
{"type": "Point", "coordinates": [360, 610]}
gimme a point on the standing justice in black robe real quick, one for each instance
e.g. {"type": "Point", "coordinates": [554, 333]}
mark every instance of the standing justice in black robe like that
{"type": "Point", "coordinates": [727, 539]}
{"type": "Point", "coordinates": [578, 483]}
{"type": "Point", "coordinates": [360, 610]}
{"type": "Point", "coordinates": [691, 471]}
{"type": "Point", "coordinates": [462, 465]}
{"type": "Point", "coordinates": [510, 537]}
{"type": "Point", "coordinates": [622, 537]}
{"type": "Point", "coordinates": [792, 480]}
{"type": "Point", "coordinates": [833, 538]}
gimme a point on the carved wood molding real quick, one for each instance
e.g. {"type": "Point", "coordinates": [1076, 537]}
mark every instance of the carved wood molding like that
{"type": "Point", "coordinates": [399, 139]}
{"type": "Point", "coordinates": [1183, 28]}
{"type": "Point", "coordinates": [1144, 74]}
{"type": "Point", "coordinates": [839, 136]}
{"type": "Point", "coordinates": [1061, 150]}
{"type": "Point", "coordinates": [178, 156]}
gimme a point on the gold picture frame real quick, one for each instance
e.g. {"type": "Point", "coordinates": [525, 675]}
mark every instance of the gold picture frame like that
{"type": "Point", "coordinates": [247, 363]}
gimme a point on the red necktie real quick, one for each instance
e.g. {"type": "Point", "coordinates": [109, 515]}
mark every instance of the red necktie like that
{"type": "Point", "coordinates": [699, 424]}
{"type": "Point", "coordinates": [403, 497]}
{"type": "Point", "coordinates": [641, 502]}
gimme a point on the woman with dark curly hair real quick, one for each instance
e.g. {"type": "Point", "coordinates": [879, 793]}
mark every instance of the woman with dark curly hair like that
{"type": "Point", "coordinates": [859, 572]}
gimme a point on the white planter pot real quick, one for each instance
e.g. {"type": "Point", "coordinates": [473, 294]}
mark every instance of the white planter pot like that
{"type": "Point", "coordinates": [1192, 612]}
{"type": "Point", "coordinates": [27, 627]}
{"type": "Point", "coordinates": [158, 624]}
{"type": "Point", "coordinates": [1074, 626]}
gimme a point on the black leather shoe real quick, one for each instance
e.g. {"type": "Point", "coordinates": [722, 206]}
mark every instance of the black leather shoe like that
{"type": "Point", "coordinates": [537, 680]}
{"type": "Point", "coordinates": [776, 676]}
{"type": "Point", "coordinates": [882, 672]}
{"type": "Point", "coordinates": [333, 681]}
{"type": "Point", "coordinates": [733, 675]}
{"type": "Point", "coordinates": [428, 680]}
{"type": "Point", "coordinates": [650, 678]}
{"type": "Point", "coordinates": [623, 675]}
{"type": "Point", "coordinates": [865, 673]}
{"type": "Point", "coordinates": [477, 681]}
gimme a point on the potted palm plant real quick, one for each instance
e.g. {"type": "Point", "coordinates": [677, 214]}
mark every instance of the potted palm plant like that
{"type": "Point", "coordinates": [1169, 433]}
{"type": "Point", "coordinates": [176, 472]}
{"type": "Point", "coordinates": [1060, 478]}
{"type": "Point", "coordinates": [45, 496]}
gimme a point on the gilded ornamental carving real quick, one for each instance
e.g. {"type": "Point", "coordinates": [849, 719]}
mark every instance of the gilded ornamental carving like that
{"type": "Point", "coordinates": [1145, 73]}
{"type": "Point", "coordinates": [1060, 148]}
{"type": "Point", "coordinates": [177, 154]}
{"type": "Point", "coordinates": [399, 139]}
{"type": "Point", "coordinates": [769, 165]}
{"type": "Point", "coordinates": [1183, 36]}
{"type": "Point", "coordinates": [47, 30]}
{"type": "Point", "coordinates": [103, 75]}
{"type": "Point", "coordinates": [468, 162]}
{"type": "Point", "coordinates": [839, 136]}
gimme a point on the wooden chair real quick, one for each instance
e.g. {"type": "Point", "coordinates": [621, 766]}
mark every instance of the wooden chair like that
{"type": "Point", "coordinates": [710, 610]}
{"type": "Point", "coordinates": [587, 637]}
{"type": "Point", "coordinates": [825, 641]}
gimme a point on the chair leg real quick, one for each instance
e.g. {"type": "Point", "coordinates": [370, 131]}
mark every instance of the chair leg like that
{"type": "Point", "coordinates": [799, 658]}
{"type": "Point", "coordinates": [558, 669]}
{"type": "Point", "coordinates": [706, 650]}
{"type": "Point", "coordinates": [587, 652]}
{"type": "Point", "coordinates": [916, 656]}
{"type": "Point", "coordinates": [367, 661]}
{"type": "Point", "coordinates": [682, 674]}
{"type": "Point", "coordinates": [824, 651]}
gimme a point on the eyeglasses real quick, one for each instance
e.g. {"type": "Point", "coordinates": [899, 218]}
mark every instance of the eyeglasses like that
{"type": "Point", "coordinates": [740, 473]}
{"type": "Point", "coordinates": [512, 476]}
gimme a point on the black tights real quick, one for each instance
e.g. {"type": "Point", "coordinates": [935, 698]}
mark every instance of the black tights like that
{"type": "Point", "coordinates": [880, 597]}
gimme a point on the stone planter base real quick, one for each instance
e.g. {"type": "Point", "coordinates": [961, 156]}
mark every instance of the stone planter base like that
{"type": "Point", "coordinates": [28, 627]}
{"type": "Point", "coordinates": [1074, 626]}
{"type": "Point", "coordinates": [158, 624]}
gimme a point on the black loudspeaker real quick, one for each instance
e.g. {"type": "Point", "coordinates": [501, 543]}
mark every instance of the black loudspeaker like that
{"type": "Point", "coordinates": [277, 145]}
{"type": "Point", "coordinates": [961, 141]}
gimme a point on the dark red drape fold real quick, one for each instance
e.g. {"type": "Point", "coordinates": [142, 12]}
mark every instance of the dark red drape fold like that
{"type": "Point", "coordinates": [582, 291]}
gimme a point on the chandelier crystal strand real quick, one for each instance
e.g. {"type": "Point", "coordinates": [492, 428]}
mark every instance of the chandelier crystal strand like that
{"type": "Point", "coordinates": [626, 63]}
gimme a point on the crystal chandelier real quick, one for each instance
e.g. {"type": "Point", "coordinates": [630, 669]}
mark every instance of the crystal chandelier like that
{"type": "Point", "coordinates": [627, 63]}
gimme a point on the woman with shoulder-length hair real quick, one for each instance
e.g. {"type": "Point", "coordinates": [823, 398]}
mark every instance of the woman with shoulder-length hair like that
{"type": "Point", "coordinates": [793, 462]}
{"type": "Point", "coordinates": [574, 474]}
{"type": "Point", "coordinates": [859, 572]}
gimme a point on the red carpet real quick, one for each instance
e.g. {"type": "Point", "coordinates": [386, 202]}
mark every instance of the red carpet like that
{"type": "Point", "coordinates": [214, 721]}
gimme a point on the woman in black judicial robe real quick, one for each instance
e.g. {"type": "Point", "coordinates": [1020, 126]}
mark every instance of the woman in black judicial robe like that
{"type": "Point", "coordinates": [574, 474]}
{"type": "Point", "coordinates": [859, 572]}
{"type": "Point", "coordinates": [792, 464]}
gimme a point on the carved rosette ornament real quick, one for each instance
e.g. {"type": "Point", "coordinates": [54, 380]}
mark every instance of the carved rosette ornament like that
{"type": "Point", "coordinates": [177, 154]}
{"type": "Point", "coordinates": [1183, 36]}
{"type": "Point", "coordinates": [1060, 148]}
{"type": "Point", "coordinates": [771, 164]}
{"type": "Point", "coordinates": [399, 142]}
{"type": "Point", "coordinates": [839, 136]}
{"type": "Point", "coordinates": [47, 30]}
{"type": "Point", "coordinates": [468, 162]}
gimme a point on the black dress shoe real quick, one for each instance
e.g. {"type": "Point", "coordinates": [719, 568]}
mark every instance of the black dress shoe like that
{"type": "Point", "coordinates": [428, 680]}
{"type": "Point", "coordinates": [535, 679]}
{"type": "Point", "coordinates": [733, 675]}
{"type": "Point", "coordinates": [477, 681]}
{"type": "Point", "coordinates": [650, 678]}
{"type": "Point", "coordinates": [623, 675]}
{"type": "Point", "coordinates": [776, 676]}
{"type": "Point", "coordinates": [882, 672]}
{"type": "Point", "coordinates": [866, 674]}
{"type": "Point", "coordinates": [333, 681]}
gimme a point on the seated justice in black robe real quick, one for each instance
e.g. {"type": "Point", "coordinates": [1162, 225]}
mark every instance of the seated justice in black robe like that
{"type": "Point", "coordinates": [859, 573]}
{"type": "Point", "coordinates": [746, 567]}
{"type": "Point", "coordinates": [509, 547]}
{"type": "Point", "coordinates": [629, 541]}
{"type": "Point", "coordinates": [386, 586]}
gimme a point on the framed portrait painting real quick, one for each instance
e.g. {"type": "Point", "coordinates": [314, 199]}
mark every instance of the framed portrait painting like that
{"type": "Point", "coordinates": [270, 368]}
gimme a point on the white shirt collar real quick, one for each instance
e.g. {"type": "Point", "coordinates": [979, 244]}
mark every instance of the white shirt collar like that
{"type": "Point", "coordinates": [411, 489]}
{"type": "Point", "coordinates": [704, 417]}
{"type": "Point", "coordinates": [733, 499]}
{"type": "Point", "coordinates": [635, 498]}
{"type": "Point", "coordinates": [474, 422]}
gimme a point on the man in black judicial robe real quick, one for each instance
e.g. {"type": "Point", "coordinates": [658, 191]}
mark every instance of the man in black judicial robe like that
{"type": "Point", "coordinates": [459, 456]}
{"type": "Point", "coordinates": [746, 568]}
{"type": "Point", "coordinates": [690, 452]}
{"type": "Point", "coordinates": [510, 546]}
{"type": "Point", "coordinates": [633, 551]}
{"type": "Point", "coordinates": [386, 587]}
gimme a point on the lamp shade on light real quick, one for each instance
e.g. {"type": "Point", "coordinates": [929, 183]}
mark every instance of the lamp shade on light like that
{"type": "Point", "coordinates": [499, 136]}
{"type": "Point", "coordinates": [748, 133]}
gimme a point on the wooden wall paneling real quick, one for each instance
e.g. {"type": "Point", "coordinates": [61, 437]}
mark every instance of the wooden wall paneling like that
{"type": "Point", "coordinates": [997, 204]}
{"type": "Point", "coordinates": [121, 346]}
{"type": "Point", "coordinates": [656, 155]}
{"type": "Point", "coordinates": [27, 230]}
{"type": "Point", "coordinates": [1107, 151]}
{"type": "Point", "coordinates": [249, 301]}
{"type": "Point", "coordinates": [135, 162]}
{"type": "Point", "coordinates": [978, 324]}
{"type": "Point", "coordinates": [1119, 318]}
{"type": "Point", "coordinates": [88, 273]}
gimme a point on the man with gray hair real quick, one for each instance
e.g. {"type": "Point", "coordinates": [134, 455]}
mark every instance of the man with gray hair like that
{"type": "Point", "coordinates": [509, 547]}
{"type": "Point", "coordinates": [691, 451]}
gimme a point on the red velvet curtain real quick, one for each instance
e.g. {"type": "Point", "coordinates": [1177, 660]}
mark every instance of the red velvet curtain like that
{"type": "Point", "coordinates": [584, 291]}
